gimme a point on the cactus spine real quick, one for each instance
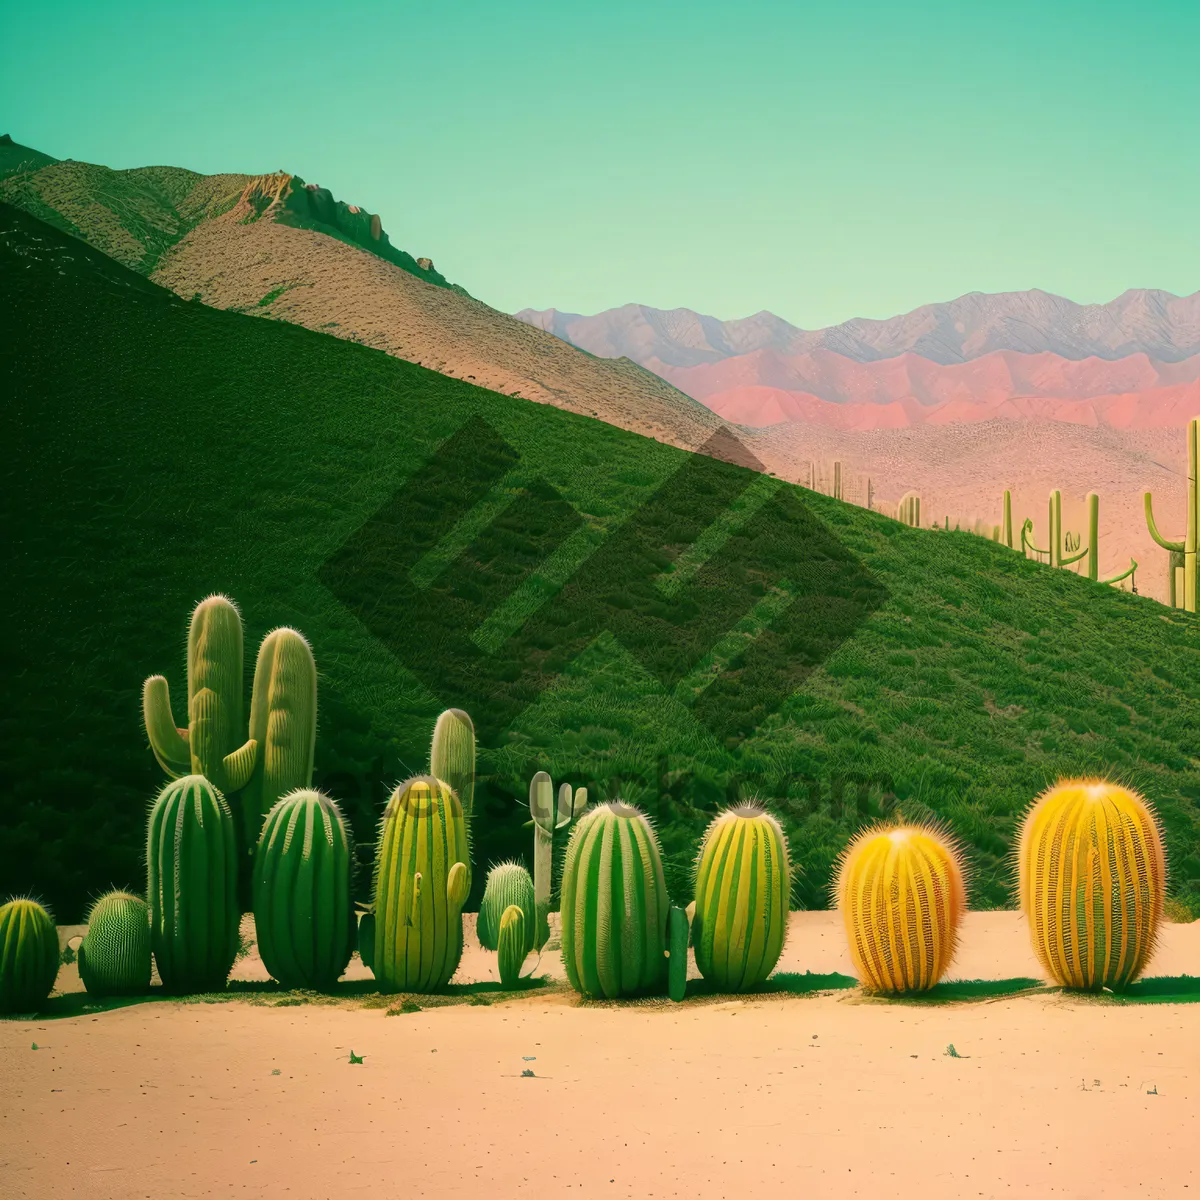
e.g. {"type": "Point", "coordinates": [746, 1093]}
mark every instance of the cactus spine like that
{"type": "Point", "coordinates": [1187, 547]}
{"type": "Point", "coordinates": [114, 957]}
{"type": "Point", "coordinates": [212, 743]}
{"type": "Point", "coordinates": [508, 883]}
{"type": "Point", "coordinates": [452, 755]}
{"type": "Point", "coordinates": [1092, 874]}
{"type": "Point", "coordinates": [551, 824]}
{"type": "Point", "coordinates": [677, 965]}
{"type": "Point", "coordinates": [902, 895]}
{"type": "Point", "coordinates": [512, 944]}
{"type": "Point", "coordinates": [614, 905]}
{"type": "Point", "coordinates": [303, 916]}
{"type": "Point", "coordinates": [283, 724]}
{"type": "Point", "coordinates": [421, 885]}
{"type": "Point", "coordinates": [743, 882]}
{"type": "Point", "coordinates": [28, 956]}
{"type": "Point", "coordinates": [192, 861]}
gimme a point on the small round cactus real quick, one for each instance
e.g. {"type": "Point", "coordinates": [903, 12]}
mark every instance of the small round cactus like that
{"type": "Point", "coordinates": [508, 883]}
{"type": "Point", "coordinates": [28, 956]}
{"type": "Point", "coordinates": [514, 941]}
{"type": "Point", "coordinates": [114, 957]}
{"type": "Point", "coordinates": [902, 895]}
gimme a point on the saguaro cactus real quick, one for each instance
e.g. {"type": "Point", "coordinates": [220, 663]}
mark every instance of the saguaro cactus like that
{"type": "Point", "coordinates": [114, 957]}
{"type": "Point", "coordinates": [1006, 529]}
{"type": "Point", "coordinates": [551, 822]}
{"type": "Point", "coordinates": [283, 724]}
{"type": "Point", "coordinates": [420, 888]}
{"type": "Point", "coordinates": [512, 945]}
{"type": "Point", "coordinates": [837, 480]}
{"type": "Point", "coordinates": [614, 905]}
{"type": "Point", "coordinates": [192, 862]}
{"type": "Point", "coordinates": [743, 883]}
{"type": "Point", "coordinates": [1186, 547]}
{"type": "Point", "coordinates": [508, 883]}
{"type": "Point", "coordinates": [28, 956]}
{"type": "Point", "coordinates": [1092, 875]}
{"type": "Point", "coordinates": [303, 914]}
{"type": "Point", "coordinates": [452, 755]}
{"type": "Point", "coordinates": [212, 744]}
{"type": "Point", "coordinates": [908, 510]}
{"type": "Point", "coordinates": [901, 892]}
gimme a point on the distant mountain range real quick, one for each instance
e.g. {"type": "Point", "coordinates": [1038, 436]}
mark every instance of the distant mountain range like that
{"type": "Point", "coordinates": [1133, 361]}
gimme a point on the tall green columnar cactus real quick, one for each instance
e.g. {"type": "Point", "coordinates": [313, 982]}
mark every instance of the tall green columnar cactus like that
{"type": "Point", "coordinates": [743, 884]}
{"type": "Point", "coordinates": [1187, 547]}
{"type": "Point", "coordinates": [192, 861]}
{"type": "Point", "coordinates": [212, 744]}
{"type": "Point", "coordinates": [1174, 563]}
{"type": "Point", "coordinates": [614, 905]}
{"type": "Point", "coordinates": [1055, 526]}
{"type": "Point", "coordinates": [421, 885]}
{"type": "Point", "coordinates": [508, 883]}
{"type": "Point", "coordinates": [1006, 531]}
{"type": "Point", "coordinates": [677, 964]}
{"type": "Point", "coordinates": [28, 956]}
{"type": "Point", "coordinates": [303, 915]}
{"type": "Point", "coordinates": [452, 755]}
{"type": "Point", "coordinates": [114, 957]}
{"type": "Point", "coordinates": [283, 724]}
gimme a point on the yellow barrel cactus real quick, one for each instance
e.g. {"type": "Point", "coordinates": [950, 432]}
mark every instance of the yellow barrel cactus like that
{"type": "Point", "coordinates": [1093, 875]}
{"type": "Point", "coordinates": [901, 892]}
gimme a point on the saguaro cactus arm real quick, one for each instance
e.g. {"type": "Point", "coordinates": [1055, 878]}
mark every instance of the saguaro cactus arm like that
{"type": "Point", "coordinates": [1165, 543]}
{"type": "Point", "coordinates": [1124, 574]}
{"type": "Point", "coordinates": [167, 740]}
{"type": "Point", "coordinates": [1027, 542]}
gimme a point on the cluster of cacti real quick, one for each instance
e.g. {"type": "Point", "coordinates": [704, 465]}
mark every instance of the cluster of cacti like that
{"type": "Point", "coordinates": [614, 905]}
{"type": "Point", "coordinates": [743, 885]}
{"type": "Point", "coordinates": [901, 892]}
{"type": "Point", "coordinates": [552, 823]}
{"type": "Point", "coordinates": [1064, 550]}
{"type": "Point", "coordinates": [267, 759]}
{"type": "Point", "coordinates": [908, 510]}
{"type": "Point", "coordinates": [114, 956]}
{"type": "Point", "coordinates": [28, 955]}
{"type": "Point", "coordinates": [303, 916]}
{"type": "Point", "coordinates": [1183, 553]}
{"type": "Point", "coordinates": [1092, 877]}
{"type": "Point", "coordinates": [191, 888]}
{"type": "Point", "coordinates": [421, 885]}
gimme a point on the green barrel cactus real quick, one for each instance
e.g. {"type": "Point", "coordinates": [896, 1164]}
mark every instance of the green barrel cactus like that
{"type": "Point", "coordinates": [114, 956]}
{"type": "Point", "coordinates": [452, 756]}
{"type": "Point", "coordinates": [192, 861]}
{"type": "Point", "coordinates": [508, 883]}
{"type": "Point", "coordinates": [514, 942]}
{"type": "Point", "coordinates": [614, 905]}
{"type": "Point", "coordinates": [213, 743]}
{"type": "Point", "coordinates": [678, 932]}
{"type": "Point", "coordinates": [28, 956]}
{"type": "Point", "coordinates": [743, 884]}
{"type": "Point", "coordinates": [303, 914]}
{"type": "Point", "coordinates": [283, 725]}
{"type": "Point", "coordinates": [421, 885]}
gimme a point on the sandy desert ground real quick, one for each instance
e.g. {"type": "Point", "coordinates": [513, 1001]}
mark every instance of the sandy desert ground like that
{"type": "Point", "coordinates": [811, 1090]}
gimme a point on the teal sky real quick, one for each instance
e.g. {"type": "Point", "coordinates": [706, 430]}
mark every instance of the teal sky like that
{"type": "Point", "coordinates": [822, 161]}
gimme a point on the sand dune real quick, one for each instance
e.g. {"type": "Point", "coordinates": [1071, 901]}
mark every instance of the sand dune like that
{"type": "Point", "coordinates": [822, 1093]}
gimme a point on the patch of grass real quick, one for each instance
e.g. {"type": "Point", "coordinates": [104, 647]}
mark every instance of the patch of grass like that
{"type": "Point", "coordinates": [274, 295]}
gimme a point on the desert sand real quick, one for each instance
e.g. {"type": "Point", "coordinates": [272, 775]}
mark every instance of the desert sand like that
{"type": "Point", "coordinates": [821, 1093]}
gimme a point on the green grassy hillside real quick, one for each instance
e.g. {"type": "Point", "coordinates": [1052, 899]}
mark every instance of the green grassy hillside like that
{"type": "Point", "coordinates": [672, 627]}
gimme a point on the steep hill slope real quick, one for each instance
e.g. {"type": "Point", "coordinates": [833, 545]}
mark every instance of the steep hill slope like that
{"type": "Point", "coordinates": [275, 246]}
{"type": "Point", "coordinates": [664, 626]}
